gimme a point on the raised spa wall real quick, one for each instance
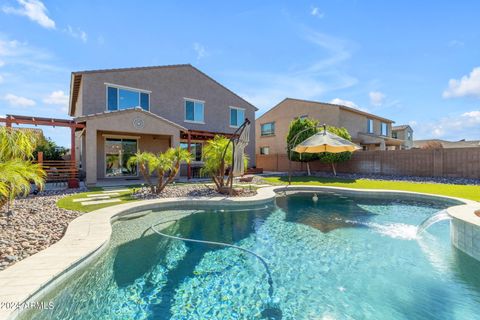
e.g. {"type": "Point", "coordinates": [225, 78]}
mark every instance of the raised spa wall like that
{"type": "Point", "coordinates": [465, 229]}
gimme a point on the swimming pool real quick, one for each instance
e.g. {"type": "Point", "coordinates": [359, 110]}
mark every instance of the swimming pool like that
{"type": "Point", "coordinates": [345, 256]}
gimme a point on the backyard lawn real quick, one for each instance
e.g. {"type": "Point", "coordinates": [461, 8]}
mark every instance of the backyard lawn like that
{"type": "Point", "coordinates": [461, 191]}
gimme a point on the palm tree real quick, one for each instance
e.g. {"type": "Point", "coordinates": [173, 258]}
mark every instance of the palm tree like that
{"type": "Point", "coordinates": [17, 171]}
{"type": "Point", "coordinates": [166, 165]}
{"type": "Point", "coordinates": [215, 164]}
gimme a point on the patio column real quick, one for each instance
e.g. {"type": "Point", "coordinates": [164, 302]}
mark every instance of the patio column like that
{"type": "Point", "coordinates": [91, 156]}
{"type": "Point", "coordinates": [189, 168]}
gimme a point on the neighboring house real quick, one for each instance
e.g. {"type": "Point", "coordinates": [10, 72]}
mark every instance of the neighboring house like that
{"type": "Point", "coordinates": [404, 133]}
{"type": "Point", "coordinates": [150, 109]}
{"type": "Point", "coordinates": [438, 143]}
{"type": "Point", "coordinates": [368, 130]}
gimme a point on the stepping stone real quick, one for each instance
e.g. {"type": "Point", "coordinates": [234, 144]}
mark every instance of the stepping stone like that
{"type": "Point", "coordinates": [115, 190]}
{"type": "Point", "coordinates": [88, 203]}
{"type": "Point", "coordinates": [89, 199]}
{"type": "Point", "coordinates": [102, 194]}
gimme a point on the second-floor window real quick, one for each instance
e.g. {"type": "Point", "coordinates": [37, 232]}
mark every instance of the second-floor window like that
{"type": "Point", "coordinates": [194, 110]}
{"type": "Point", "coordinates": [384, 129]}
{"type": "Point", "coordinates": [120, 98]}
{"type": "Point", "coordinates": [237, 117]}
{"type": "Point", "coordinates": [267, 129]}
{"type": "Point", "coordinates": [409, 135]}
{"type": "Point", "coordinates": [370, 126]}
{"type": "Point", "coordinates": [394, 135]}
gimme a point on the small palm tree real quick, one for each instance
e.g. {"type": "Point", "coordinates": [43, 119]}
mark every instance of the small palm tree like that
{"type": "Point", "coordinates": [17, 171]}
{"type": "Point", "coordinates": [216, 165]}
{"type": "Point", "coordinates": [166, 165]}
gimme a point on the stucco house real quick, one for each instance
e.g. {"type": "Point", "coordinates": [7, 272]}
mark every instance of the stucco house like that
{"type": "Point", "coordinates": [150, 109]}
{"type": "Point", "coordinates": [404, 133]}
{"type": "Point", "coordinates": [370, 131]}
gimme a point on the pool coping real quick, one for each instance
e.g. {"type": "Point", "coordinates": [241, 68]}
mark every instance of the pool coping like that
{"type": "Point", "coordinates": [88, 235]}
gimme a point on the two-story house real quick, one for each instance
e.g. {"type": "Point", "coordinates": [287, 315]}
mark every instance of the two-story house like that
{"type": "Point", "coordinates": [150, 109]}
{"type": "Point", "coordinates": [370, 131]}
{"type": "Point", "coordinates": [404, 133]}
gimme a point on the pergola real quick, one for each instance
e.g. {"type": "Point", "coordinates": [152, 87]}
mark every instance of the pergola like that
{"type": "Point", "coordinates": [199, 135]}
{"type": "Point", "coordinates": [52, 122]}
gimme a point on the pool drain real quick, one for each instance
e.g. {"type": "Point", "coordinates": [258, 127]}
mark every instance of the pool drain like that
{"type": "Point", "coordinates": [272, 311]}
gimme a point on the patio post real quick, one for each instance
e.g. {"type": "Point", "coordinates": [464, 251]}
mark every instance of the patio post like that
{"type": "Point", "coordinates": [189, 168]}
{"type": "Point", "coordinates": [72, 181]}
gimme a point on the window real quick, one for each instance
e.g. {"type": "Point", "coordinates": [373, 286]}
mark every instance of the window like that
{"type": "Point", "coordinates": [370, 126]}
{"type": "Point", "coordinates": [120, 98]}
{"type": "Point", "coordinates": [194, 111]}
{"type": "Point", "coordinates": [117, 153]}
{"type": "Point", "coordinates": [384, 129]}
{"type": "Point", "coordinates": [195, 149]}
{"type": "Point", "coordinates": [409, 135]}
{"type": "Point", "coordinates": [394, 135]}
{"type": "Point", "coordinates": [264, 150]}
{"type": "Point", "coordinates": [267, 129]}
{"type": "Point", "coordinates": [237, 117]}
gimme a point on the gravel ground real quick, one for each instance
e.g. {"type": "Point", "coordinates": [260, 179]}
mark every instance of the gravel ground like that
{"type": "Point", "coordinates": [187, 190]}
{"type": "Point", "coordinates": [36, 224]}
{"type": "Point", "coordinates": [459, 181]}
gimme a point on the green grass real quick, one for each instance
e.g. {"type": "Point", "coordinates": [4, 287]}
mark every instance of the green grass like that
{"type": "Point", "coordinates": [67, 202]}
{"type": "Point", "coordinates": [461, 191]}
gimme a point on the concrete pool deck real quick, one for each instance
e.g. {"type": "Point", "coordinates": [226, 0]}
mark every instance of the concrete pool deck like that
{"type": "Point", "coordinates": [88, 235]}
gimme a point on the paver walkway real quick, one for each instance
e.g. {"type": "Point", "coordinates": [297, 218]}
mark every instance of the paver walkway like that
{"type": "Point", "coordinates": [99, 198]}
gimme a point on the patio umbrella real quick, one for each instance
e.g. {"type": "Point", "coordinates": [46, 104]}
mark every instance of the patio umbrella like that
{"type": "Point", "coordinates": [325, 141]}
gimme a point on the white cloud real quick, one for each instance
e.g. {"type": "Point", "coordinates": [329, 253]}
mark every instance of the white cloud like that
{"type": "Point", "coordinates": [76, 33]}
{"type": "Point", "coordinates": [454, 127]}
{"type": "Point", "coordinates": [456, 43]}
{"type": "Point", "coordinates": [317, 13]}
{"type": "Point", "coordinates": [376, 98]}
{"type": "Point", "coordinates": [200, 50]}
{"type": "Point", "coordinates": [16, 101]}
{"type": "Point", "coordinates": [468, 85]}
{"type": "Point", "coordinates": [2, 63]}
{"type": "Point", "coordinates": [57, 98]}
{"type": "Point", "coordinates": [309, 82]}
{"type": "Point", "coordinates": [2, 79]}
{"type": "Point", "coordinates": [347, 103]}
{"type": "Point", "coordinates": [35, 10]}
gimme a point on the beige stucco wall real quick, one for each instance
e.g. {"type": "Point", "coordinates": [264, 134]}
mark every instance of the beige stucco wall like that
{"type": "Point", "coordinates": [283, 114]}
{"type": "Point", "coordinates": [402, 135]}
{"type": "Point", "coordinates": [121, 123]}
{"type": "Point", "coordinates": [332, 115]}
{"type": "Point", "coordinates": [169, 86]}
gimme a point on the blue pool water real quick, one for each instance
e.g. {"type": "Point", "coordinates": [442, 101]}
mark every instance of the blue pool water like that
{"type": "Point", "coordinates": [346, 256]}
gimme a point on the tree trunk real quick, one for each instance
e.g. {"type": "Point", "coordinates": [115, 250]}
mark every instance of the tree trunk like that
{"type": "Point", "coordinates": [333, 167]}
{"type": "Point", "coordinates": [308, 169]}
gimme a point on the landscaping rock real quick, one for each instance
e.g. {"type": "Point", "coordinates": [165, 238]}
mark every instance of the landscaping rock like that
{"type": "Point", "coordinates": [36, 224]}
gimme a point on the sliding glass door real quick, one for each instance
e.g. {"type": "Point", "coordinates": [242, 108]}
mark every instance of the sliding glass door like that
{"type": "Point", "coordinates": [117, 153]}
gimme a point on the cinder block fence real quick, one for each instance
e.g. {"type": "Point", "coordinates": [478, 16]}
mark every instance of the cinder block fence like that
{"type": "Point", "coordinates": [458, 162]}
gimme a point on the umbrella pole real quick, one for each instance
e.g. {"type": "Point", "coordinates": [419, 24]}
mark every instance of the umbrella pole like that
{"type": "Point", "coordinates": [333, 167]}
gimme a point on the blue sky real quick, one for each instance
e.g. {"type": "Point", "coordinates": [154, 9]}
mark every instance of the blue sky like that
{"type": "Point", "coordinates": [415, 62]}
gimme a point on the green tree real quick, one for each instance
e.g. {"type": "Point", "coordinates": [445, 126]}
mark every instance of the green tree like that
{"type": "Point", "coordinates": [50, 149]}
{"type": "Point", "coordinates": [334, 158]}
{"type": "Point", "coordinates": [17, 171]}
{"type": "Point", "coordinates": [301, 129]}
{"type": "Point", "coordinates": [215, 164]}
{"type": "Point", "coordinates": [166, 165]}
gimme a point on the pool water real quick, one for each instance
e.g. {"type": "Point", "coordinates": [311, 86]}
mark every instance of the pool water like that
{"type": "Point", "coordinates": [346, 256]}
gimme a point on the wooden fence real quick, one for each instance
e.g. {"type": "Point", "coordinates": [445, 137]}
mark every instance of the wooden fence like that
{"type": "Point", "coordinates": [458, 162]}
{"type": "Point", "coordinates": [60, 171]}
